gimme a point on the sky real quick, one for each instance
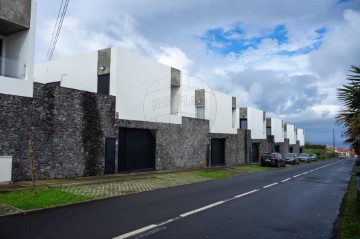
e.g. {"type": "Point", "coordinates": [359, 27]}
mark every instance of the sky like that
{"type": "Point", "coordinates": [284, 57]}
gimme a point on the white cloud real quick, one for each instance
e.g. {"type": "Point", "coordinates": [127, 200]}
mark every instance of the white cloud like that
{"type": "Point", "coordinates": [175, 57]}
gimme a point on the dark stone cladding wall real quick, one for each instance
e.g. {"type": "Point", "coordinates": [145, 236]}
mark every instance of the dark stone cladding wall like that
{"type": "Point", "coordinates": [263, 146]}
{"type": "Point", "coordinates": [235, 146]}
{"type": "Point", "coordinates": [297, 147]}
{"type": "Point", "coordinates": [67, 127]}
{"type": "Point", "coordinates": [177, 146]}
{"type": "Point", "coordinates": [284, 149]}
{"type": "Point", "coordinates": [270, 143]}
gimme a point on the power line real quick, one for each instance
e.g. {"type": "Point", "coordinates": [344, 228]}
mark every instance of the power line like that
{"type": "Point", "coordinates": [52, 37]}
{"type": "Point", "coordinates": [59, 26]}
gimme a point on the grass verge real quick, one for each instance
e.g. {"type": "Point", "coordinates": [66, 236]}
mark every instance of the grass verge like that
{"type": "Point", "coordinates": [350, 219]}
{"type": "Point", "coordinates": [215, 175]}
{"type": "Point", "coordinates": [226, 173]}
{"type": "Point", "coordinates": [44, 198]}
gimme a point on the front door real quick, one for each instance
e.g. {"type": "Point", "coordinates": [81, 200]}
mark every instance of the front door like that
{"type": "Point", "coordinates": [217, 151]}
{"type": "Point", "coordinates": [110, 145]}
{"type": "Point", "coordinates": [255, 153]}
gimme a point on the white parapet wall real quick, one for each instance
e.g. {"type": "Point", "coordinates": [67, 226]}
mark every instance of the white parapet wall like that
{"type": "Point", "coordinates": [5, 168]}
{"type": "Point", "coordinates": [301, 137]}
{"type": "Point", "coordinates": [143, 89]}
{"type": "Point", "coordinates": [277, 129]}
{"type": "Point", "coordinates": [221, 113]}
{"type": "Point", "coordinates": [256, 122]}
{"type": "Point", "coordinates": [290, 133]}
{"type": "Point", "coordinates": [78, 72]}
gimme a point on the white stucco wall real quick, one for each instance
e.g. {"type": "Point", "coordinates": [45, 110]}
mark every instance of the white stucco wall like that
{"type": "Point", "coordinates": [143, 89]}
{"type": "Point", "coordinates": [188, 86]}
{"type": "Point", "coordinates": [301, 136]}
{"type": "Point", "coordinates": [290, 132]}
{"type": "Point", "coordinates": [5, 168]}
{"type": "Point", "coordinates": [20, 48]}
{"type": "Point", "coordinates": [256, 123]}
{"type": "Point", "coordinates": [221, 113]}
{"type": "Point", "coordinates": [77, 72]}
{"type": "Point", "coordinates": [277, 130]}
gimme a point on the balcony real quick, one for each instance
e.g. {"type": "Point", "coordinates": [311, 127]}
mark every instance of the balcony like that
{"type": "Point", "coordinates": [12, 68]}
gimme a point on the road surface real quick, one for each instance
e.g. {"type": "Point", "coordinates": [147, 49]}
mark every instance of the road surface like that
{"type": "Point", "coordinates": [291, 202]}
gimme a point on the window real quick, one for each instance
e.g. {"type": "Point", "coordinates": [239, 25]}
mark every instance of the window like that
{"type": "Point", "coordinates": [103, 84]}
{"type": "Point", "coordinates": [200, 112]}
{"type": "Point", "coordinates": [243, 123]}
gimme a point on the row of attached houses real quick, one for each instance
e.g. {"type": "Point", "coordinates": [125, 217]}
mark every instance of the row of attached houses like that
{"type": "Point", "coordinates": [112, 111]}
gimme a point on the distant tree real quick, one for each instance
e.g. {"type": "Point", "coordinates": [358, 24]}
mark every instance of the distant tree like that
{"type": "Point", "coordinates": [349, 95]}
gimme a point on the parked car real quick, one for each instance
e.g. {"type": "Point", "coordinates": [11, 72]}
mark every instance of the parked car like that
{"type": "Point", "coordinates": [304, 157]}
{"type": "Point", "coordinates": [357, 173]}
{"type": "Point", "coordinates": [272, 159]}
{"type": "Point", "coordinates": [291, 158]}
{"type": "Point", "coordinates": [342, 155]}
{"type": "Point", "coordinates": [313, 157]}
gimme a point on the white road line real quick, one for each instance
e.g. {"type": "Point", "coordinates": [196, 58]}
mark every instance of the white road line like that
{"type": "Point", "coordinates": [244, 194]}
{"type": "Point", "coordinates": [201, 209]}
{"type": "Point", "coordinates": [305, 173]}
{"type": "Point", "coordinates": [152, 226]}
{"type": "Point", "coordinates": [138, 231]}
{"type": "Point", "coordinates": [270, 185]}
{"type": "Point", "coordinates": [296, 176]}
{"type": "Point", "coordinates": [283, 181]}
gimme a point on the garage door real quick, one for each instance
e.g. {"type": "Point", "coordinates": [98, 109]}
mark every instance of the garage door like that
{"type": "Point", "coordinates": [136, 150]}
{"type": "Point", "coordinates": [217, 151]}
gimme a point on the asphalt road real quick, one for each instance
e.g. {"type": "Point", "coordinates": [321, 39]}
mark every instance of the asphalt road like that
{"type": "Point", "coordinates": [292, 202]}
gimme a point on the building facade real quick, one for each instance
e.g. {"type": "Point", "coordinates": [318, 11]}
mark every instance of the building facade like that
{"type": "Point", "coordinates": [17, 43]}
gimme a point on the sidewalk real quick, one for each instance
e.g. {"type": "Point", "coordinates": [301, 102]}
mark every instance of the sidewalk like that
{"type": "Point", "coordinates": [114, 185]}
{"type": "Point", "coordinates": [27, 185]}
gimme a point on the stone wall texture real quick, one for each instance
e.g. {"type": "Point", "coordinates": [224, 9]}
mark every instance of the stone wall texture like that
{"type": "Point", "coordinates": [67, 128]}
{"type": "Point", "coordinates": [263, 147]}
{"type": "Point", "coordinates": [177, 146]}
{"type": "Point", "coordinates": [235, 146]}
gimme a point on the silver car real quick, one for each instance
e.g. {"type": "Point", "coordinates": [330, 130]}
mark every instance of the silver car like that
{"type": "Point", "coordinates": [304, 157]}
{"type": "Point", "coordinates": [313, 157]}
{"type": "Point", "coordinates": [291, 158]}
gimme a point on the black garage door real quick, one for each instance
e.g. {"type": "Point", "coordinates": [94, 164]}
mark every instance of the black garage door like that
{"type": "Point", "coordinates": [217, 151]}
{"type": "Point", "coordinates": [136, 149]}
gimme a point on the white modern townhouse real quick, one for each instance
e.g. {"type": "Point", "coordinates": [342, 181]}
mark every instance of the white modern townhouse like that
{"type": "Point", "coordinates": [17, 43]}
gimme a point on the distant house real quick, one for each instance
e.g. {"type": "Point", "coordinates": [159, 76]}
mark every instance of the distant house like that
{"type": "Point", "coordinates": [255, 120]}
{"type": "Point", "coordinates": [275, 127]}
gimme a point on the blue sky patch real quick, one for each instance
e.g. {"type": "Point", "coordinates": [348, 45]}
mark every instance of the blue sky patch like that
{"type": "Point", "coordinates": [235, 41]}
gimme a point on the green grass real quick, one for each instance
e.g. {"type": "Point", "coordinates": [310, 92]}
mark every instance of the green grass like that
{"type": "Point", "coordinates": [215, 175]}
{"type": "Point", "coordinates": [250, 169]}
{"type": "Point", "coordinates": [350, 221]}
{"type": "Point", "coordinates": [44, 198]}
{"type": "Point", "coordinates": [228, 172]}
